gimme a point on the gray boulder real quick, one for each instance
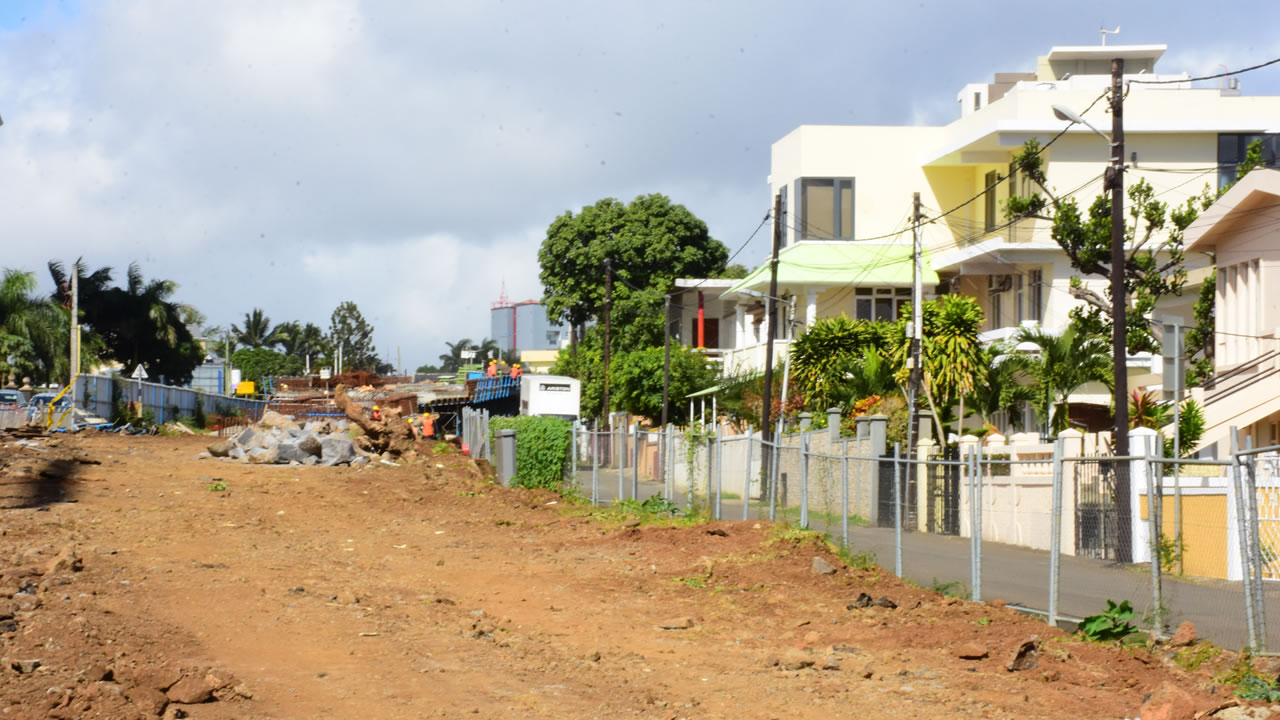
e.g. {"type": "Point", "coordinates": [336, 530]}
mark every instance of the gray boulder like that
{"type": "Point", "coordinates": [222, 448]}
{"type": "Point", "coordinates": [273, 419]}
{"type": "Point", "coordinates": [236, 453]}
{"type": "Point", "coordinates": [310, 444]}
{"type": "Point", "coordinates": [250, 438]}
{"type": "Point", "coordinates": [264, 456]}
{"type": "Point", "coordinates": [290, 452]}
{"type": "Point", "coordinates": [336, 450]}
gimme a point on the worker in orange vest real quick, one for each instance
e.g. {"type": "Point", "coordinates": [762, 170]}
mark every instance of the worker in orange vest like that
{"type": "Point", "coordinates": [377, 413]}
{"type": "Point", "coordinates": [515, 371]}
{"type": "Point", "coordinates": [493, 368]}
{"type": "Point", "coordinates": [413, 429]}
{"type": "Point", "coordinates": [428, 426]}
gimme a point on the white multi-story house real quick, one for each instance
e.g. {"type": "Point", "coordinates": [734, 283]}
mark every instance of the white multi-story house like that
{"type": "Point", "coordinates": [847, 193]}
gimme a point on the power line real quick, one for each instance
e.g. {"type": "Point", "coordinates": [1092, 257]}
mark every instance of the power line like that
{"type": "Point", "coordinates": [1208, 77]}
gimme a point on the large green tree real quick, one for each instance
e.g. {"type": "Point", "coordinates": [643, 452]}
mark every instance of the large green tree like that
{"type": "Point", "coordinates": [258, 363]}
{"type": "Point", "coordinates": [349, 331]}
{"type": "Point", "coordinates": [256, 331]}
{"type": "Point", "coordinates": [139, 323]}
{"type": "Point", "coordinates": [829, 351]}
{"type": "Point", "coordinates": [636, 381]}
{"type": "Point", "coordinates": [648, 242]}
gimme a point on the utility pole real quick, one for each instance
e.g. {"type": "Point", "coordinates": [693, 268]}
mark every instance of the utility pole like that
{"type": "Point", "coordinates": [608, 311]}
{"type": "Point", "coordinates": [766, 429]}
{"type": "Point", "coordinates": [917, 323]}
{"type": "Point", "coordinates": [1119, 305]}
{"type": "Point", "coordinates": [75, 329]}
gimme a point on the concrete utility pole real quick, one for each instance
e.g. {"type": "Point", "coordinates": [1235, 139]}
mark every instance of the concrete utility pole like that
{"type": "Point", "coordinates": [1119, 306]}
{"type": "Point", "coordinates": [608, 312]}
{"type": "Point", "coordinates": [766, 431]}
{"type": "Point", "coordinates": [917, 322]}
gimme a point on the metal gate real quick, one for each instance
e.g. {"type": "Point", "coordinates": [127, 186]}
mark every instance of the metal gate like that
{"type": "Point", "coordinates": [906, 473]}
{"type": "Point", "coordinates": [1097, 529]}
{"type": "Point", "coordinates": [944, 493]}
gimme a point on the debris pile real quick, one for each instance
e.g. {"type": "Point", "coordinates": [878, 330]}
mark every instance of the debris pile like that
{"type": "Point", "coordinates": [278, 440]}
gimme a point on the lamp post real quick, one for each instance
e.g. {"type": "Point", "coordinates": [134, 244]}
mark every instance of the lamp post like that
{"type": "Point", "coordinates": [1115, 183]}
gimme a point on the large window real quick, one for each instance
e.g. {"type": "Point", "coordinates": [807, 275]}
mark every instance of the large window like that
{"type": "Point", "coordinates": [826, 209]}
{"type": "Point", "coordinates": [880, 303]}
{"type": "Point", "coordinates": [989, 201]}
{"type": "Point", "coordinates": [1231, 152]}
{"type": "Point", "coordinates": [1035, 279]}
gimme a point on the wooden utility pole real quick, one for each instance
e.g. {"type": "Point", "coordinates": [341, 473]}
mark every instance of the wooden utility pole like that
{"type": "Point", "coordinates": [1119, 306]}
{"type": "Point", "coordinates": [917, 331]}
{"type": "Point", "coordinates": [771, 302]}
{"type": "Point", "coordinates": [608, 311]}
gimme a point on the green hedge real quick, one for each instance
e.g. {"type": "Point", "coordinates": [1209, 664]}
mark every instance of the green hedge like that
{"type": "Point", "coordinates": [542, 448]}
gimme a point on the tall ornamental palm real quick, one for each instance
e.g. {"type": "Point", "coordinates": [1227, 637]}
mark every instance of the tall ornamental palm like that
{"type": "Point", "coordinates": [1059, 367]}
{"type": "Point", "coordinates": [996, 387]}
{"type": "Point", "coordinates": [452, 360]}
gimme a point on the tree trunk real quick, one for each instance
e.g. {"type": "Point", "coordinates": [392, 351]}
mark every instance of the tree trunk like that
{"type": "Point", "coordinates": [391, 434]}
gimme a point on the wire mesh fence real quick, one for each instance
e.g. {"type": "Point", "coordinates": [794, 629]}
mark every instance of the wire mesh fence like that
{"type": "Point", "coordinates": [1054, 527]}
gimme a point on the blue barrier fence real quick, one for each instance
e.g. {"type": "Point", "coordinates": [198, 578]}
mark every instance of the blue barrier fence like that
{"type": "Point", "coordinates": [95, 394]}
{"type": "Point", "coordinates": [493, 388]}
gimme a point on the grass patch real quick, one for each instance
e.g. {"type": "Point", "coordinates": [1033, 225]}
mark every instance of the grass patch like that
{"type": "Point", "coordinates": [955, 588]}
{"type": "Point", "coordinates": [1192, 658]}
{"type": "Point", "coordinates": [817, 516]}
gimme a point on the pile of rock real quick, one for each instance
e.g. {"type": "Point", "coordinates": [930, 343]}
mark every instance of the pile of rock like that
{"type": "Point", "coordinates": [278, 440]}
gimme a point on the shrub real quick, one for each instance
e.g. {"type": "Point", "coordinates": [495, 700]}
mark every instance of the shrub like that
{"type": "Point", "coordinates": [542, 448]}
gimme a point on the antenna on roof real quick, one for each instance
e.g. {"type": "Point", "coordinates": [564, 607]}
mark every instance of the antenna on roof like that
{"type": "Point", "coordinates": [1105, 32]}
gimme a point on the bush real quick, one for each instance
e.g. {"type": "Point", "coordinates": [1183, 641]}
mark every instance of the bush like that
{"type": "Point", "coordinates": [542, 449]}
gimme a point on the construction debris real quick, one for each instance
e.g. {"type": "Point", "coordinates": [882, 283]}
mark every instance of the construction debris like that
{"type": "Point", "coordinates": [277, 439]}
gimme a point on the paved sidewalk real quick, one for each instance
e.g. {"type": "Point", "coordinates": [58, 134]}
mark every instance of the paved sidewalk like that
{"type": "Point", "coordinates": [1018, 575]}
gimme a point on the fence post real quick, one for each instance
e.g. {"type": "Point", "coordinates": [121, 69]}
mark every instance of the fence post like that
{"type": "Point", "coordinates": [1255, 548]}
{"type": "Point", "coordinates": [804, 479]}
{"type": "Point", "coordinates": [594, 441]}
{"type": "Point", "coordinates": [635, 458]}
{"type": "Point", "coordinates": [668, 465]}
{"type": "Point", "coordinates": [773, 481]}
{"type": "Point", "coordinates": [975, 517]}
{"type": "Point", "coordinates": [897, 511]}
{"type": "Point", "coordinates": [505, 454]}
{"type": "Point", "coordinates": [1055, 532]}
{"type": "Point", "coordinates": [844, 495]}
{"type": "Point", "coordinates": [977, 531]}
{"type": "Point", "coordinates": [573, 452]}
{"type": "Point", "coordinates": [746, 477]}
{"type": "Point", "coordinates": [1154, 528]}
{"type": "Point", "coordinates": [719, 467]}
{"type": "Point", "coordinates": [621, 456]}
{"type": "Point", "coordinates": [1246, 562]}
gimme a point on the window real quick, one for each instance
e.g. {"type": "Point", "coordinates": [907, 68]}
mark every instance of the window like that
{"type": "Point", "coordinates": [826, 208]}
{"type": "Point", "coordinates": [1019, 297]}
{"type": "Point", "coordinates": [977, 101]}
{"type": "Point", "coordinates": [710, 331]}
{"type": "Point", "coordinates": [1035, 279]}
{"type": "Point", "coordinates": [996, 287]}
{"type": "Point", "coordinates": [1232, 148]}
{"type": "Point", "coordinates": [880, 303]}
{"type": "Point", "coordinates": [988, 182]}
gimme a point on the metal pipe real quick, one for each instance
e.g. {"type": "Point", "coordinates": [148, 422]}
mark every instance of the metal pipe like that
{"type": "Point", "coordinates": [595, 464]}
{"type": "Point", "coordinates": [804, 480]}
{"type": "Point", "coordinates": [844, 497]}
{"type": "Point", "coordinates": [719, 467]}
{"type": "Point", "coordinates": [635, 464]}
{"type": "Point", "coordinates": [977, 533]}
{"type": "Point", "coordinates": [746, 480]}
{"type": "Point", "coordinates": [1242, 513]}
{"type": "Point", "coordinates": [1153, 525]}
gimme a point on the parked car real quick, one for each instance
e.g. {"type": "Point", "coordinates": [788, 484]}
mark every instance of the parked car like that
{"type": "Point", "coordinates": [40, 400]}
{"type": "Point", "coordinates": [12, 399]}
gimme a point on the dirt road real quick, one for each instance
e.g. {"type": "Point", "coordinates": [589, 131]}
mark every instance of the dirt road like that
{"type": "Point", "coordinates": [134, 574]}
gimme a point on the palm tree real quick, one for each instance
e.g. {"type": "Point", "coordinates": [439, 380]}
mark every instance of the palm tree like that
{"type": "Point", "coordinates": [487, 350]}
{"type": "Point", "coordinates": [452, 360]}
{"type": "Point", "coordinates": [288, 335]}
{"type": "Point", "coordinates": [996, 387]}
{"type": "Point", "coordinates": [149, 327]}
{"type": "Point", "coordinates": [1061, 364]}
{"type": "Point", "coordinates": [257, 331]}
{"type": "Point", "coordinates": [31, 330]}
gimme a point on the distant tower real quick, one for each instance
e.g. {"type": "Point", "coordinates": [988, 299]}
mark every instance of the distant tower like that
{"type": "Point", "coordinates": [499, 322]}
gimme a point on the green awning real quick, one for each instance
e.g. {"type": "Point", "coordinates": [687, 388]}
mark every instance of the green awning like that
{"type": "Point", "coordinates": [836, 264]}
{"type": "Point", "coordinates": [700, 393]}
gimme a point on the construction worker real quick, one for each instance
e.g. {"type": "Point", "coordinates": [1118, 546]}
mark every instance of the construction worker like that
{"type": "Point", "coordinates": [515, 371]}
{"type": "Point", "coordinates": [413, 429]}
{"type": "Point", "coordinates": [493, 369]}
{"type": "Point", "coordinates": [428, 426]}
{"type": "Point", "coordinates": [377, 413]}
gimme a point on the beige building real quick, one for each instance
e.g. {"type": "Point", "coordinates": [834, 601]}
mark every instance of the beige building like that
{"type": "Point", "coordinates": [1242, 232]}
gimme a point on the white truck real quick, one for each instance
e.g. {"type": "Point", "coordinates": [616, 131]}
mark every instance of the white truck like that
{"type": "Point", "coordinates": [550, 396]}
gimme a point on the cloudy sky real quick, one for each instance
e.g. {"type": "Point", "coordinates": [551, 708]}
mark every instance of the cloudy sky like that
{"type": "Point", "coordinates": [409, 156]}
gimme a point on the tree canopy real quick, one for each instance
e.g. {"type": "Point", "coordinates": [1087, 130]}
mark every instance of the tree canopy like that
{"type": "Point", "coordinates": [636, 381]}
{"type": "Point", "coordinates": [349, 331]}
{"type": "Point", "coordinates": [649, 242]}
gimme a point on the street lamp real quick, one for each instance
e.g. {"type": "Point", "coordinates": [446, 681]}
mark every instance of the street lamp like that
{"type": "Point", "coordinates": [1119, 345]}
